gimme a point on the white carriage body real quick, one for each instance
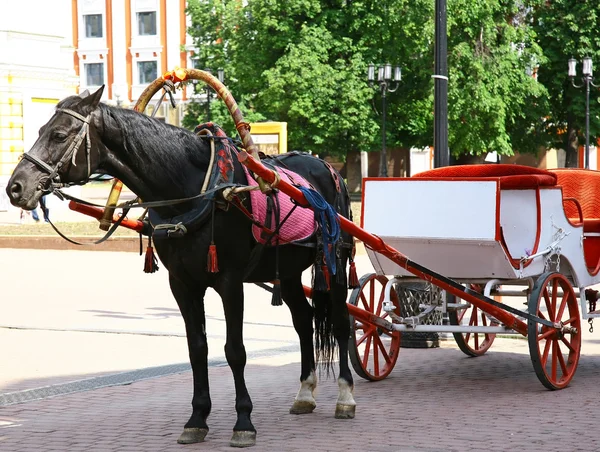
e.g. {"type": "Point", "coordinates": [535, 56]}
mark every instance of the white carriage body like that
{"type": "Point", "coordinates": [471, 228]}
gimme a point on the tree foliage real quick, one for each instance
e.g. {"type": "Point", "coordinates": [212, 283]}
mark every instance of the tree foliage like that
{"type": "Point", "coordinates": [305, 62]}
{"type": "Point", "coordinates": [568, 29]}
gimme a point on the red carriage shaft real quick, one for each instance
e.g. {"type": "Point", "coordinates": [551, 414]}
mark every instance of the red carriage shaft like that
{"type": "Point", "coordinates": [98, 213]}
{"type": "Point", "coordinates": [378, 245]}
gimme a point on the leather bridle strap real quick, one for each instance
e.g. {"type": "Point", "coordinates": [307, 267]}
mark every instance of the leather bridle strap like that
{"type": "Point", "coordinates": [70, 153]}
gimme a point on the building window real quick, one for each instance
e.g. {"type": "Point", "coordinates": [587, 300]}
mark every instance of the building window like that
{"type": "Point", "coordinates": [146, 23]}
{"type": "Point", "coordinates": [94, 74]}
{"type": "Point", "coordinates": [147, 71]}
{"type": "Point", "coordinates": [93, 25]}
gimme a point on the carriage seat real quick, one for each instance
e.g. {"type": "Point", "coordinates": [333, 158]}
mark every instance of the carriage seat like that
{"type": "Point", "coordinates": [510, 176]}
{"type": "Point", "coordinates": [581, 201]}
{"type": "Point", "coordinates": [581, 196]}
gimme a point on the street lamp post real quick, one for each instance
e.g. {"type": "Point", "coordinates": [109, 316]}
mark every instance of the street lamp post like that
{"type": "Point", "coordinates": [387, 83]}
{"type": "Point", "coordinates": [587, 78]}
{"type": "Point", "coordinates": [208, 90]}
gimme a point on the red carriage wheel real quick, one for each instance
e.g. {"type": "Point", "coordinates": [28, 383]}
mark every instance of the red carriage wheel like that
{"type": "Point", "coordinates": [471, 344]}
{"type": "Point", "coordinates": [554, 351]}
{"type": "Point", "coordinates": [373, 351]}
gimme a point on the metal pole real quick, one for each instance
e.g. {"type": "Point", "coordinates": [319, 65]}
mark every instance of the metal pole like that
{"type": "Point", "coordinates": [383, 163]}
{"type": "Point", "coordinates": [441, 156]}
{"type": "Point", "coordinates": [587, 122]}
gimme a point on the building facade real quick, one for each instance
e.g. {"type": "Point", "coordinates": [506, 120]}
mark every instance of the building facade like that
{"type": "Point", "coordinates": [121, 44]}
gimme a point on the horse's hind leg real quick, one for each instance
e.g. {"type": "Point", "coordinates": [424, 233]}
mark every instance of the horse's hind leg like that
{"type": "Point", "coordinates": [302, 316]}
{"type": "Point", "coordinates": [191, 305]}
{"type": "Point", "coordinates": [231, 290]}
{"type": "Point", "coordinates": [345, 406]}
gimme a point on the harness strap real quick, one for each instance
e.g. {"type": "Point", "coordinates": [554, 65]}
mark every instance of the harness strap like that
{"type": "Point", "coordinates": [70, 153]}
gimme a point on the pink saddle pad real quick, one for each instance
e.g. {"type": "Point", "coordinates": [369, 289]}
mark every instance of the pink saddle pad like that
{"type": "Point", "coordinates": [301, 223]}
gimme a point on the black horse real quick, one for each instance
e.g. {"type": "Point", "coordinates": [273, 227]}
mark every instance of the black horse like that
{"type": "Point", "coordinates": [161, 162]}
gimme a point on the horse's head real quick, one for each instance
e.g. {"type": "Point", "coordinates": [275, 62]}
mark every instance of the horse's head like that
{"type": "Point", "coordinates": [63, 152]}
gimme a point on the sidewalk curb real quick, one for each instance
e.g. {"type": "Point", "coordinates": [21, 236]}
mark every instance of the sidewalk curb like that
{"type": "Point", "coordinates": [46, 242]}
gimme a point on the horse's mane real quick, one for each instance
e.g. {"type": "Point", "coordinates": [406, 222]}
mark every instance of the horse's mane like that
{"type": "Point", "coordinates": [160, 150]}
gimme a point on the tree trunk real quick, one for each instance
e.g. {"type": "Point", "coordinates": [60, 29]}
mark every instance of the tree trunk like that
{"type": "Point", "coordinates": [571, 144]}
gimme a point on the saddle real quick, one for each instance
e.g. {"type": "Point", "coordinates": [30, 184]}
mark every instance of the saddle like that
{"type": "Point", "coordinates": [278, 213]}
{"type": "Point", "coordinates": [276, 219]}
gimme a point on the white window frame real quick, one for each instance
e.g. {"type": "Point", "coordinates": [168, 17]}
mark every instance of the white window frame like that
{"type": "Point", "coordinates": [137, 70]}
{"type": "Point", "coordinates": [83, 74]}
{"type": "Point", "coordinates": [102, 25]}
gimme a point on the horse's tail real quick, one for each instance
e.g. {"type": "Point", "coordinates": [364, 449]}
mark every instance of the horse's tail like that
{"type": "Point", "coordinates": [325, 344]}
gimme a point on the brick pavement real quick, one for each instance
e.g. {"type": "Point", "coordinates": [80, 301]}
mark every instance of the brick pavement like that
{"type": "Point", "coordinates": [434, 400]}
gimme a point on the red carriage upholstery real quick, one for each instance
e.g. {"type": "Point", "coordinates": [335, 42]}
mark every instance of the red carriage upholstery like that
{"type": "Point", "coordinates": [581, 201]}
{"type": "Point", "coordinates": [511, 176]}
{"type": "Point", "coordinates": [583, 187]}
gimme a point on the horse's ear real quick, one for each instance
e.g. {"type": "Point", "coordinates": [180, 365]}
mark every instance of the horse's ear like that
{"type": "Point", "coordinates": [84, 94]}
{"type": "Point", "coordinates": [91, 101]}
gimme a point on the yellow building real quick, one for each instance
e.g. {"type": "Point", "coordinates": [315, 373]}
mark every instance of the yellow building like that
{"type": "Point", "coordinates": [36, 71]}
{"type": "Point", "coordinates": [270, 137]}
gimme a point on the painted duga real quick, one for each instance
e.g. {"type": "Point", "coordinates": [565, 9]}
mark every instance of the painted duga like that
{"type": "Point", "coordinates": [161, 162]}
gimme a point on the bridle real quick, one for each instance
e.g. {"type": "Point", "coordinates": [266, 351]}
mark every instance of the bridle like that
{"type": "Point", "coordinates": [52, 182]}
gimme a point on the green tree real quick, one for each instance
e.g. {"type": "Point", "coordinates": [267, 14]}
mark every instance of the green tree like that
{"type": "Point", "coordinates": [494, 104]}
{"type": "Point", "coordinates": [568, 29]}
{"type": "Point", "coordinates": [305, 62]}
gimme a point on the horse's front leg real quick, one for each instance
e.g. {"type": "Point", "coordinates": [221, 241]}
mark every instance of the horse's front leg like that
{"type": "Point", "coordinates": [191, 305]}
{"type": "Point", "coordinates": [230, 288]}
{"type": "Point", "coordinates": [302, 316]}
{"type": "Point", "coordinates": [345, 407]}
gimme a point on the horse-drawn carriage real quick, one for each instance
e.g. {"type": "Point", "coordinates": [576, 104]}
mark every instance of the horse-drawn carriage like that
{"type": "Point", "coordinates": [486, 232]}
{"type": "Point", "coordinates": [500, 231]}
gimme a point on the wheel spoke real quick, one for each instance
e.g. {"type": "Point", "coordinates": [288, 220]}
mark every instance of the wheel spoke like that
{"type": "Point", "coordinates": [563, 304]}
{"type": "Point", "coordinates": [372, 295]}
{"type": "Point", "coordinates": [364, 301]}
{"type": "Point", "coordinates": [461, 313]}
{"type": "Point", "coordinates": [367, 333]}
{"type": "Point", "coordinates": [382, 348]}
{"type": "Point", "coordinates": [476, 340]}
{"type": "Point", "coordinates": [544, 357]}
{"type": "Point", "coordinates": [473, 319]}
{"type": "Point", "coordinates": [554, 296]}
{"type": "Point", "coordinates": [568, 344]}
{"type": "Point", "coordinates": [380, 303]}
{"type": "Point", "coordinates": [365, 359]}
{"type": "Point", "coordinates": [546, 335]}
{"type": "Point", "coordinates": [483, 319]}
{"type": "Point", "coordinates": [555, 353]}
{"type": "Point", "coordinates": [375, 355]}
{"type": "Point", "coordinates": [561, 360]}
{"type": "Point", "coordinates": [549, 306]}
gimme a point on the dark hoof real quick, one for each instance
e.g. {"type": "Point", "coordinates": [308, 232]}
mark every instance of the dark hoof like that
{"type": "Point", "coordinates": [192, 435]}
{"type": "Point", "coordinates": [302, 407]}
{"type": "Point", "coordinates": [243, 439]}
{"type": "Point", "coordinates": [345, 411]}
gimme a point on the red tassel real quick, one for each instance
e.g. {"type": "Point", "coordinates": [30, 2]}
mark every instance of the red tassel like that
{"type": "Point", "coordinates": [213, 264]}
{"type": "Point", "coordinates": [150, 261]}
{"type": "Point", "coordinates": [325, 271]}
{"type": "Point", "coordinates": [353, 277]}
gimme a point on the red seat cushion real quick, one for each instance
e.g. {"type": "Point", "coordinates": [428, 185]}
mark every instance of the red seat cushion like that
{"type": "Point", "coordinates": [511, 176]}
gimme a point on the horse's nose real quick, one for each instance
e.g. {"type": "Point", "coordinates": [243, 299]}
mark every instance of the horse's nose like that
{"type": "Point", "coordinates": [15, 191]}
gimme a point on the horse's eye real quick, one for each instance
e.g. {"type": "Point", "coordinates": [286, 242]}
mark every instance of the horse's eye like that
{"type": "Point", "coordinates": [59, 136]}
